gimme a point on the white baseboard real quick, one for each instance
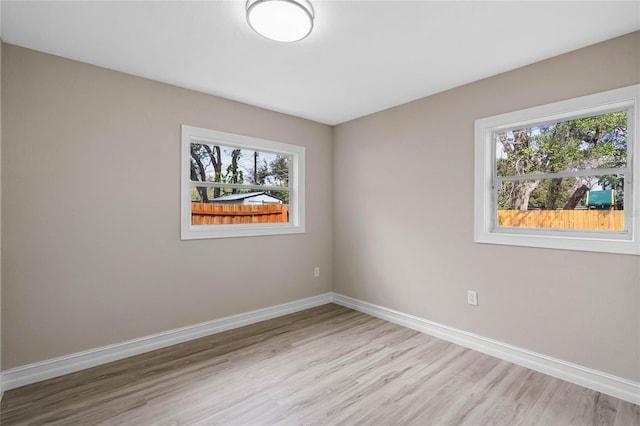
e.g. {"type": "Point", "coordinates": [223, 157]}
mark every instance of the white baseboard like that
{"type": "Point", "coordinates": [55, 367]}
{"type": "Point", "coordinates": [583, 376]}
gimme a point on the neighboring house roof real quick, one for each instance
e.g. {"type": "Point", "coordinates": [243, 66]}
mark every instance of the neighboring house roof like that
{"type": "Point", "coordinates": [236, 197]}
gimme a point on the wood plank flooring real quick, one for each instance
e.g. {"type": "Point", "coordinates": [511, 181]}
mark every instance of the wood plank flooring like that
{"type": "Point", "coordinates": [324, 366]}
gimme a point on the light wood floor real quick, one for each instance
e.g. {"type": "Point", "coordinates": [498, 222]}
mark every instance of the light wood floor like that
{"type": "Point", "coordinates": [327, 365]}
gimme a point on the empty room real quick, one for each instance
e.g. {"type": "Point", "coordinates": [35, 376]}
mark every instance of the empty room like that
{"type": "Point", "coordinates": [295, 212]}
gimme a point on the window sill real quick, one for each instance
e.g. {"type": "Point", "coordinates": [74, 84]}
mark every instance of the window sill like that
{"type": "Point", "coordinates": [561, 242]}
{"type": "Point", "coordinates": [231, 231]}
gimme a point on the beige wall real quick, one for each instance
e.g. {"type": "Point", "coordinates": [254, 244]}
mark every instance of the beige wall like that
{"type": "Point", "coordinates": [403, 222]}
{"type": "Point", "coordinates": [91, 211]}
{"type": "Point", "coordinates": [1, 392]}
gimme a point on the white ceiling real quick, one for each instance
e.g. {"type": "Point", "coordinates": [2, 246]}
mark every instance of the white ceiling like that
{"type": "Point", "coordinates": [362, 56]}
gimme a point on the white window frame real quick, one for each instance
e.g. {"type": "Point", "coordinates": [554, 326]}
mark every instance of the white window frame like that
{"type": "Point", "coordinates": [485, 200]}
{"type": "Point", "coordinates": [296, 153]}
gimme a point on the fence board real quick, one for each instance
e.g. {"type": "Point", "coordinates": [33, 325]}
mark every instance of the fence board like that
{"type": "Point", "coordinates": [227, 214]}
{"type": "Point", "coordinates": [601, 220]}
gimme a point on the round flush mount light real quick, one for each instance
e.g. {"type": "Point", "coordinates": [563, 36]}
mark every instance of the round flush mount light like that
{"type": "Point", "coordinates": [280, 20]}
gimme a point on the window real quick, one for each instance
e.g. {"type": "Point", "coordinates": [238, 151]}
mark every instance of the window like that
{"type": "Point", "coordinates": [562, 175]}
{"type": "Point", "coordinates": [238, 186]}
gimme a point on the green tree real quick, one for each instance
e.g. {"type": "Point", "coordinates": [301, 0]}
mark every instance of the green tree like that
{"type": "Point", "coordinates": [273, 173]}
{"type": "Point", "coordinates": [279, 176]}
{"type": "Point", "coordinates": [585, 143]}
{"type": "Point", "coordinates": [207, 162]}
{"type": "Point", "coordinates": [234, 174]}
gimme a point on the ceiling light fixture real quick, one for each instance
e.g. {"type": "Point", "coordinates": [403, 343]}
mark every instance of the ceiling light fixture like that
{"type": "Point", "coordinates": [280, 20]}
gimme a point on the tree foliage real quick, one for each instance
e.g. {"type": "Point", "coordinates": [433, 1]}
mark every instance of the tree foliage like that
{"type": "Point", "coordinates": [275, 173]}
{"type": "Point", "coordinates": [242, 167]}
{"type": "Point", "coordinates": [581, 144]}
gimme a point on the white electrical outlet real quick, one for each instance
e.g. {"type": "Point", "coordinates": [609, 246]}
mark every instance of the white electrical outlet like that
{"type": "Point", "coordinates": [316, 271]}
{"type": "Point", "coordinates": [472, 297]}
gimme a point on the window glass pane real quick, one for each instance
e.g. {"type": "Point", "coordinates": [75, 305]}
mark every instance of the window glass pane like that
{"type": "Point", "coordinates": [580, 144]}
{"type": "Point", "coordinates": [217, 163]}
{"type": "Point", "coordinates": [587, 203]}
{"type": "Point", "coordinates": [224, 206]}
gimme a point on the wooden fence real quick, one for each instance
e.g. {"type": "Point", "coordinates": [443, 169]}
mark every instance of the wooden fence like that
{"type": "Point", "coordinates": [602, 220]}
{"type": "Point", "coordinates": [225, 214]}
